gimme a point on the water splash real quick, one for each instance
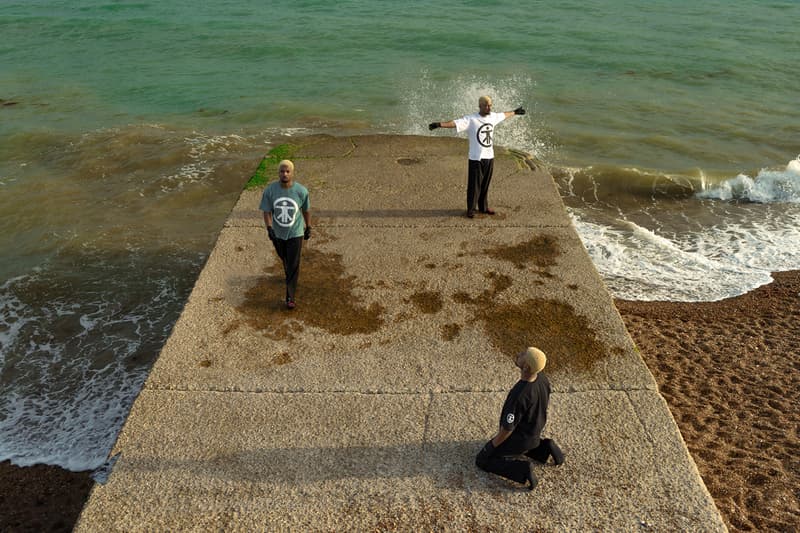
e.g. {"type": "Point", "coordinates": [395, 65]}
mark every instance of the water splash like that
{"type": "Point", "coordinates": [428, 100]}
{"type": "Point", "coordinates": [769, 186]}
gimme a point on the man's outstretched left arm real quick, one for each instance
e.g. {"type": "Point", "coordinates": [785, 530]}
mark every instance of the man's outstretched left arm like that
{"type": "Point", "coordinates": [517, 111]}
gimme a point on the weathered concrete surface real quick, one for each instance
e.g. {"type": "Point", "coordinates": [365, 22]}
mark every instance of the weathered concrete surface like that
{"type": "Point", "coordinates": [363, 409]}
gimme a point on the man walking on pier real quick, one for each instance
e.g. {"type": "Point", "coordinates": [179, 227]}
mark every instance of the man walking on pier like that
{"type": "Point", "coordinates": [283, 202]}
{"type": "Point", "coordinates": [522, 419]}
{"type": "Point", "coordinates": [480, 131]}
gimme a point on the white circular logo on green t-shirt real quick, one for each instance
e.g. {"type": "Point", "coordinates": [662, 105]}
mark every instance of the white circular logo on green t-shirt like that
{"type": "Point", "coordinates": [284, 211]}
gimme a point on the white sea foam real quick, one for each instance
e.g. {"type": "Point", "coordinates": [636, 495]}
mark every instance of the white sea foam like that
{"type": "Point", "coordinates": [75, 351]}
{"type": "Point", "coordinates": [723, 261]}
{"type": "Point", "coordinates": [716, 244]}
{"type": "Point", "coordinates": [59, 407]}
{"type": "Point", "coordinates": [794, 166]}
{"type": "Point", "coordinates": [204, 150]}
{"type": "Point", "coordinates": [639, 265]}
{"type": "Point", "coordinates": [769, 186]}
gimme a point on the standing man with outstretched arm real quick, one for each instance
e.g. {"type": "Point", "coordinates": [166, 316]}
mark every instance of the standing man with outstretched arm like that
{"type": "Point", "coordinates": [480, 131]}
{"type": "Point", "coordinates": [282, 203]}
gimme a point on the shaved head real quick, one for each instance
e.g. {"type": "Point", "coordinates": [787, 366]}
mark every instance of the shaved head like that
{"type": "Point", "coordinates": [532, 359]}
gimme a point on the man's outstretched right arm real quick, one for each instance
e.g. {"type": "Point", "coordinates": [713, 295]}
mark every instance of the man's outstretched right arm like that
{"type": "Point", "coordinates": [448, 124]}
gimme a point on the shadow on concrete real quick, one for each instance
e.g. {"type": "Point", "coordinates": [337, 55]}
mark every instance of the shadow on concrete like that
{"type": "Point", "coordinates": [446, 464]}
{"type": "Point", "coordinates": [390, 213]}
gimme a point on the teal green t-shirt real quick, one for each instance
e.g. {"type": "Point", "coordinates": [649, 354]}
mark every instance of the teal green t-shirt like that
{"type": "Point", "coordinates": [287, 207]}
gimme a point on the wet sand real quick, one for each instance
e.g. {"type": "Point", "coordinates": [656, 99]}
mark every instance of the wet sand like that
{"type": "Point", "coordinates": [729, 370]}
{"type": "Point", "coordinates": [41, 498]}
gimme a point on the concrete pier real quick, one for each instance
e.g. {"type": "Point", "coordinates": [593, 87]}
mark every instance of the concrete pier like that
{"type": "Point", "coordinates": [363, 409]}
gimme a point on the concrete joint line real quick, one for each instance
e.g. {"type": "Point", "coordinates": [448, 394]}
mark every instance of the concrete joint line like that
{"type": "Point", "coordinates": [427, 226]}
{"type": "Point", "coordinates": [426, 424]}
{"type": "Point", "coordinates": [648, 435]}
{"type": "Point", "coordinates": [430, 393]}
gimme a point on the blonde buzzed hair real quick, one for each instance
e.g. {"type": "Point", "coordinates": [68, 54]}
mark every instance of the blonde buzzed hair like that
{"type": "Point", "coordinates": [534, 359]}
{"type": "Point", "coordinates": [286, 163]}
{"type": "Point", "coordinates": [485, 99]}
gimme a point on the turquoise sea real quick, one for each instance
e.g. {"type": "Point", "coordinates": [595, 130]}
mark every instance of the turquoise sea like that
{"type": "Point", "coordinates": [670, 126]}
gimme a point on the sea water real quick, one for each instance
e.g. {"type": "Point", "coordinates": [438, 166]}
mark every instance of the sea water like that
{"type": "Point", "coordinates": [671, 128]}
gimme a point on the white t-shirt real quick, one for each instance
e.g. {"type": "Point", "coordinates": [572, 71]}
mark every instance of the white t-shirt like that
{"type": "Point", "coordinates": [480, 131]}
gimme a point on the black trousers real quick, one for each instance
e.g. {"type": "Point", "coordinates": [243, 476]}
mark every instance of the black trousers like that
{"type": "Point", "coordinates": [289, 252]}
{"type": "Point", "coordinates": [505, 461]}
{"type": "Point", "coordinates": [479, 175]}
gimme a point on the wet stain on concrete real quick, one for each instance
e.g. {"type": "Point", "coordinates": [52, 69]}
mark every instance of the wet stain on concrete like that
{"type": "Point", "coordinates": [429, 302]}
{"type": "Point", "coordinates": [499, 283]}
{"type": "Point", "coordinates": [450, 331]}
{"type": "Point", "coordinates": [282, 359]}
{"type": "Point", "coordinates": [552, 326]}
{"type": "Point", "coordinates": [462, 297]}
{"type": "Point", "coordinates": [326, 299]}
{"type": "Point", "coordinates": [540, 251]}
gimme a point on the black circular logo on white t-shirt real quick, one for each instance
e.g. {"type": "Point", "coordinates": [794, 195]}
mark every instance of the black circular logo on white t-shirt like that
{"type": "Point", "coordinates": [484, 135]}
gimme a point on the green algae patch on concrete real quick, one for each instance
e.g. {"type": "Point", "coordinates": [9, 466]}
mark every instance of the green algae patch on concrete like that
{"type": "Point", "coordinates": [326, 299]}
{"type": "Point", "coordinates": [268, 168]}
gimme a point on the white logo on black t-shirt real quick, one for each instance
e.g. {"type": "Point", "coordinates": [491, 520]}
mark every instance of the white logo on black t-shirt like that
{"type": "Point", "coordinates": [510, 418]}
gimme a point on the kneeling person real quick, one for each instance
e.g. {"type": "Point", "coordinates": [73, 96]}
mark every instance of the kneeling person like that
{"type": "Point", "coordinates": [523, 417]}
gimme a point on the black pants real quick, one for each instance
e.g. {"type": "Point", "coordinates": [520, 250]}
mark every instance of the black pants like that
{"type": "Point", "coordinates": [289, 252]}
{"type": "Point", "coordinates": [506, 462]}
{"type": "Point", "coordinates": [479, 176]}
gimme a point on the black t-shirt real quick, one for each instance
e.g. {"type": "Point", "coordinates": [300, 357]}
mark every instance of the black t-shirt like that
{"type": "Point", "coordinates": [525, 410]}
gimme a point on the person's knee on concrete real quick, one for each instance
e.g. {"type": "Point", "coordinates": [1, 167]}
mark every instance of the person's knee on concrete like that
{"type": "Point", "coordinates": [523, 416]}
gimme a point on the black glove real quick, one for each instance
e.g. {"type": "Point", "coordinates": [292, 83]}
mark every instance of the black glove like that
{"type": "Point", "coordinates": [519, 111]}
{"type": "Point", "coordinates": [433, 125]}
{"type": "Point", "coordinates": [307, 233]}
{"type": "Point", "coordinates": [271, 233]}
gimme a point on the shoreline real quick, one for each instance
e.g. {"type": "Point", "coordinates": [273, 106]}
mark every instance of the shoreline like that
{"type": "Point", "coordinates": [733, 409]}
